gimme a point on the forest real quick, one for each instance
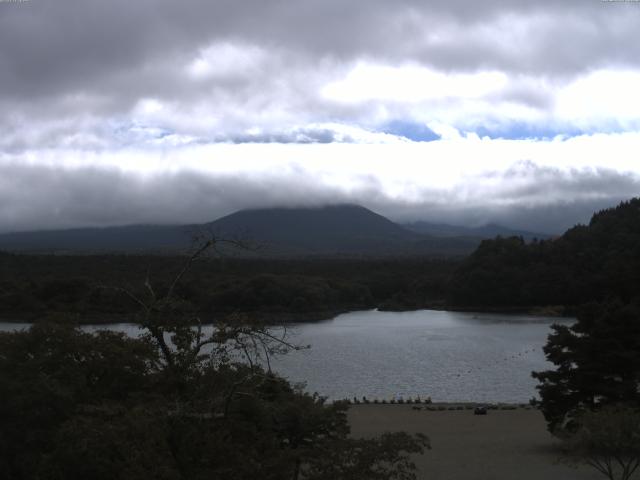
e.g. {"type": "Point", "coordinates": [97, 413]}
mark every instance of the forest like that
{"type": "Point", "coordinates": [178, 404]}
{"type": "Point", "coordinates": [595, 262]}
{"type": "Point", "coordinates": [36, 286]}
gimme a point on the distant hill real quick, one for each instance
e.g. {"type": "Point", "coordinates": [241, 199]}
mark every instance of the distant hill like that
{"type": "Point", "coordinates": [134, 238]}
{"type": "Point", "coordinates": [340, 228]}
{"type": "Point", "coordinates": [329, 230]}
{"type": "Point", "coordinates": [587, 263]}
{"type": "Point", "coordinates": [486, 231]}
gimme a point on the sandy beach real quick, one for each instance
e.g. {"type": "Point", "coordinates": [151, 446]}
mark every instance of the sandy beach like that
{"type": "Point", "coordinates": [503, 445]}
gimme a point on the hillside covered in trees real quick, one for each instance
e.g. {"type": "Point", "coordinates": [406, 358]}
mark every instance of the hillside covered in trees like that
{"type": "Point", "coordinates": [595, 262]}
{"type": "Point", "coordinates": [35, 286]}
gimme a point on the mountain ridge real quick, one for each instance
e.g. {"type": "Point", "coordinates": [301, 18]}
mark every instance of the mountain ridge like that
{"type": "Point", "coordinates": [488, 230]}
{"type": "Point", "coordinates": [327, 230]}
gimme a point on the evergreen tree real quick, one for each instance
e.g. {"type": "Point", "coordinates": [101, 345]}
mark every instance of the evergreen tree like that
{"type": "Point", "coordinates": [597, 363]}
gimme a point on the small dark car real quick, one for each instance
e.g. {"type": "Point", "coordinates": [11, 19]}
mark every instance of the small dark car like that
{"type": "Point", "coordinates": [480, 410]}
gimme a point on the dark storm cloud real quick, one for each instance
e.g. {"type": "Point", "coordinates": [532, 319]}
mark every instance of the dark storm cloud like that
{"type": "Point", "coordinates": [297, 135]}
{"type": "Point", "coordinates": [40, 197]}
{"type": "Point", "coordinates": [68, 46]}
{"type": "Point", "coordinates": [75, 72]}
{"type": "Point", "coordinates": [527, 182]}
{"type": "Point", "coordinates": [550, 200]}
{"type": "Point", "coordinates": [527, 196]}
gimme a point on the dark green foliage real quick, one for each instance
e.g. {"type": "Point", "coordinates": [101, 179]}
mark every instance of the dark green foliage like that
{"type": "Point", "coordinates": [32, 286]}
{"type": "Point", "coordinates": [50, 372]}
{"type": "Point", "coordinates": [77, 406]}
{"type": "Point", "coordinates": [588, 263]}
{"type": "Point", "coordinates": [107, 441]}
{"type": "Point", "coordinates": [597, 363]}
{"type": "Point", "coordinates": [294, 293]}
{"type": "Point", "coordinates": [174, 404]}
{"type": "Point", "coordinates": [384, 458]}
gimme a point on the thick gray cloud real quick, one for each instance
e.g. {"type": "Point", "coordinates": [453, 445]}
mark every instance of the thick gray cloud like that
{"type": "Point", "coordinates": [89, 79]}
{"type": "Point", "coordinates": [526, 196]}
{"type": "Point", "coordinates": [531, 197]}
{"type": "Point", "coordinates": [35, 197]}
{"type": "Point", "coordinates": [94, 61]}
{"type": "Point", "coordinates": [70, 45]}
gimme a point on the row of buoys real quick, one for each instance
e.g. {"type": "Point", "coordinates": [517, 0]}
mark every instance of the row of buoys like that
{"type": "Point", "coordinates": [498, 362]}
{"type": "Point", "coordinates": [506, 406]}
{"type": "Point", "coordinates": [394, 400]}
{"type": "Point", "coordinates": [427, 405]}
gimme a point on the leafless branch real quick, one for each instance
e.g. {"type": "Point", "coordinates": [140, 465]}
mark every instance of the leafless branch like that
{"type": "Point", "coordinates": [192, 258]}
{"type": "Point", "coordinates": [129, 294]}
{"type": "Point", "coordinates": [147, 284]}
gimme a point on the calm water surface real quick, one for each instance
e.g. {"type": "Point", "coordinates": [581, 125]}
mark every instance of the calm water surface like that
{"type": "Point", "coordinates": [449, 356]}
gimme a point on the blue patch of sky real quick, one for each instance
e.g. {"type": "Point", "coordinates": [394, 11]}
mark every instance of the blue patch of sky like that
{"type": "Point", "coordinates": [418, 132]}
{"type": "Point", "coordinates": [139, 132]}
{"type": "Point", "coordinates": [522, 131]}
{"type": "Point", "coordinates": [129, 128]}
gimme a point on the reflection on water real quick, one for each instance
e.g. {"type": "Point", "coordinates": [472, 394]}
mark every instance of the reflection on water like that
{"type": "Point", "coordinates": [450, 356]}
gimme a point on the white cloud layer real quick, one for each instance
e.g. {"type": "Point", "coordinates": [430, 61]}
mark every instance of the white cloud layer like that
{"type": "Point", "coordinates": [464, 180]}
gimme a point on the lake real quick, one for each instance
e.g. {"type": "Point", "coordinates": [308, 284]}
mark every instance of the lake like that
{"type": "Point", "coordinates": [449, 356]}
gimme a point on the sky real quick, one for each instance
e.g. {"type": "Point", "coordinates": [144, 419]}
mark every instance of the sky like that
{"type": "Point", "coordinates": [519, 112]}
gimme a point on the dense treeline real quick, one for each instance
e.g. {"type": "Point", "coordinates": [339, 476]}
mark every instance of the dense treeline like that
{"type": "Point", "coordinates": [176, 403]}
{"type": "Point", "coordinates": [596, 262]}
{"type": "Point", "coordinates": [77, 405]}
{"type": "Point", "coordinates": [35, 286]}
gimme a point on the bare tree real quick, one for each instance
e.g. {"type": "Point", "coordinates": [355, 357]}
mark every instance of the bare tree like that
{"type": "Point", "coordinates": [178, 330]}
{"type": "Point", "coordinates": [608, 440]}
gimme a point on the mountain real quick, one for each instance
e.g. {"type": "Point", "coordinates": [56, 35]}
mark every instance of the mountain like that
{"type": "Point", "coordinates": [490, 230]}
{"type": "Point", "coordinates": [338, 228]}
{"type": "Point", "coordinates": [329, 230]}
{"type": "Point", "coordinates": [133, 238]}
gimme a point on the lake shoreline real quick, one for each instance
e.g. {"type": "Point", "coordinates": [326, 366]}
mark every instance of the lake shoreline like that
{"type": "Point", "coordinates": [269, 318]}
{"type": "Point", "coordinates": [560, 311]}
{"type": "Point", "coordinates": [288, 317]}
{"type": "Point", "coordinates": [449, 356]}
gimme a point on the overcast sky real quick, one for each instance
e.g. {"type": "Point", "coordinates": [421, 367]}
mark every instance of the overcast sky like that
{"type": "Point", "coordinates": [521, 112]}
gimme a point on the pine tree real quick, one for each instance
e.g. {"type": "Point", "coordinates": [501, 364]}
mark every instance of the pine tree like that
{"type": "Point", "coordinates": [597, 363]}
